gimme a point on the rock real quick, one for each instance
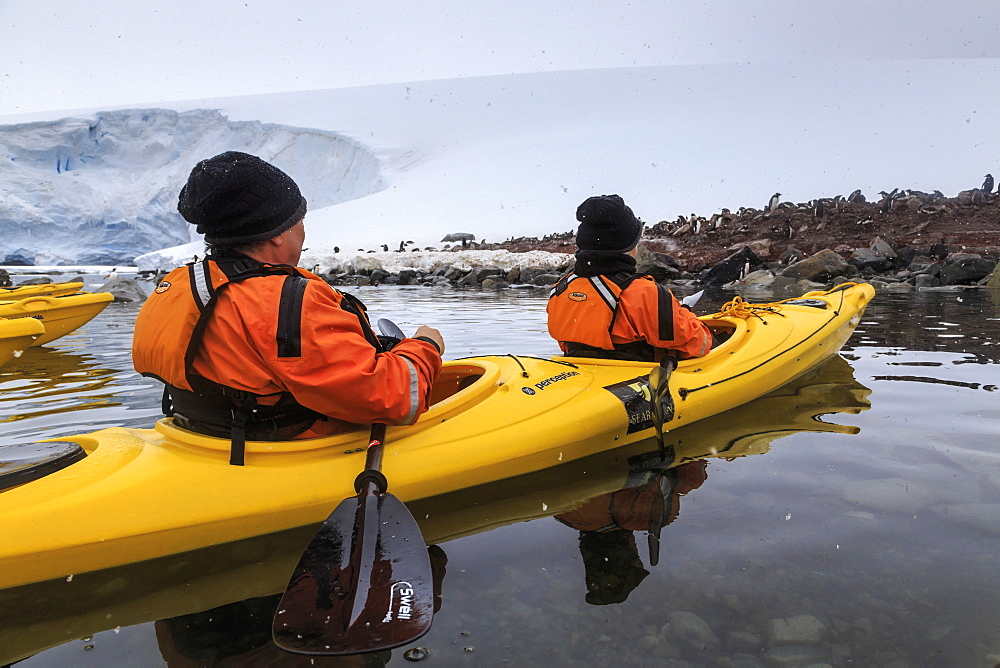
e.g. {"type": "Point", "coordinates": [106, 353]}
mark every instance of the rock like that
{"type": "Point", "coordinates": [966, 270]}
{"type": "Point", "coordinates": [899, 287]}
{"type": "Point", "coordinates": [480, 274]}
{"type": "Point", "coordinates": [926, 281]}
{"type": "Point", "coordinates": [993, 282]}
{"type": "Point", "coordinates": [124, 289]}
{"type": "Point", "coordinates": [37, 280]}
{"type": "Point", "coordinates": [866, 258]}
{"type": "Point", "coordinates": [689, 628]}
{"type": "Point", "coordinates": [892, 495]}
{"type": "Point", "coordinates": [5, 281]}
{"type": "Point", "coordinates": [820, 267]}
{"type": "Point", "coordinates": [378, 276]}
{"type": "Point", "coordinates": [760, 247]}
{"type": "Point", "coordinates": [742, 641]}
{"type": "Point", "coordinates": [528, 274]}
{"type": "Point", "coordinates": [797, 630]}
{"type": "Point", "coordinates": [881, 248]}
{"type": "Point", "coordinates": [408, 276]}
{"type": "Point", "coordinates": [513, 276]}
{"type": "Point", "coordinates": [493, 283]}
{"type": "Point", "coordinates": [546, 279]}
{"type": "Point", "coordinates": [459, 236]}
{"type": "Point", "coordinates": [762, 278]}
{"type": "Point", "coordinates": [732, 268]}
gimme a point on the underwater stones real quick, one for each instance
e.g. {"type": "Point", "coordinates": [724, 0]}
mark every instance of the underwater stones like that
{"type": "Point", "coordinates": [690, 629]}
{"type": "Point", "coordinates": [797, 630]}
{"type": "Point", "coordinates": [890, 495]}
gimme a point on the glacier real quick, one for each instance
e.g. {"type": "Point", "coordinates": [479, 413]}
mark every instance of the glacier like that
{"type": "Point", "coordinates": [103, 190]}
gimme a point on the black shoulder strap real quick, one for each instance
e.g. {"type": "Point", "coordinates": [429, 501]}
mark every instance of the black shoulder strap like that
{"type": "Point", "coordinates": [563, 283]}
{"type": "Point", "coordinates": [289, 334]}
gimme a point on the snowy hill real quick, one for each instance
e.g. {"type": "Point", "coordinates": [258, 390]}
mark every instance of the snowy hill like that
{"type": "Point", "coordinates": [506, 155]}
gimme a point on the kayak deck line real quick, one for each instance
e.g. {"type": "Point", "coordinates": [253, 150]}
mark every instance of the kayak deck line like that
{"type": "Point", "coordinates": [738, 309]}
{"type": "Point", "coordinates": [165, 490]}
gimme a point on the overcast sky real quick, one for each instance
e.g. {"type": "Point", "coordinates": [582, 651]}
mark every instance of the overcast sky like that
{"type": "Point", "coordinates": [62, 54]}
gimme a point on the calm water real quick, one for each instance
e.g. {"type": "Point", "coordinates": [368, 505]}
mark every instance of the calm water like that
{"type": "Point", "coordinates": [871, 539]}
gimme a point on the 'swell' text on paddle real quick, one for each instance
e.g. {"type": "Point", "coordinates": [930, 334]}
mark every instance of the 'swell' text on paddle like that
{"type": "Point", "coordinates": [364, 582]}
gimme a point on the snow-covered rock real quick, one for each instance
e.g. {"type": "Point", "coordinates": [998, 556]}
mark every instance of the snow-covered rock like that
{"type": "Point", "coordinates": [103, 190]}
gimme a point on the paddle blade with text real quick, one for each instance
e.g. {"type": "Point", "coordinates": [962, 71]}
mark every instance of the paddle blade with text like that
{"type": "Point", "coordinates": [362, 585]}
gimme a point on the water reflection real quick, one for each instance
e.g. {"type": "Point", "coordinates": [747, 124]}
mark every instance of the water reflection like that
{"type": "Point", "coordinates": [219, 578]}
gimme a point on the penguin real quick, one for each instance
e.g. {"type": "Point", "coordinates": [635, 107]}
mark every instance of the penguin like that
{"type": "Point", "coordinates": [385, 248]}
{"type": "Point", "coordinates": [402, 247]}
{"type": "Point", "coordinates": [772, 204]}
{"type": "Point", "coordinates": [336, 249]}
{"type": "Point", "coordinates": [856, 196]}
{"type": "Point", "coordinates": [988, 184]}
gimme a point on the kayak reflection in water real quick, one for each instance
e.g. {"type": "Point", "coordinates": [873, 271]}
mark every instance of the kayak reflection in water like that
{"type": "Point", "coordinates": [239, 634]}
{"type": "Point", "coordinates": [649, 501]}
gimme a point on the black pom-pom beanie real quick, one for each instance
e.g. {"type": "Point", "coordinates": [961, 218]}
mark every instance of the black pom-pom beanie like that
{"type": "Point", "coordinates": [236, 198]}
{"type": "Point", "coordinates": [607, 224]}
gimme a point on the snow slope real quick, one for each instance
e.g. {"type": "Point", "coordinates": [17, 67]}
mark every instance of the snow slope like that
{"type": "Point", "coordinates": [501, 156]}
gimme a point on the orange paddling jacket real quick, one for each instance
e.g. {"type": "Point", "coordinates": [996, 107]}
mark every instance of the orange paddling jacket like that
{"type": "Point", "coordinates": [623, 316]}
{"type": "Point", "coordinates": [271, 352]}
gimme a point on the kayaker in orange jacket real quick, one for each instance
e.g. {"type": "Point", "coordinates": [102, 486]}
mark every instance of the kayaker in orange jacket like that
{"type": "Point", "coordinates": [604, 309]}
{"type": "Point", "coordinates": [251, 346]}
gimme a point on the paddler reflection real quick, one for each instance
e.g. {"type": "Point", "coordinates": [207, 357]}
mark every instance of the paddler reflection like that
{"type": "Point", "coordinates": [239, 634]}
{"type": "Point", "coordinates": [607, 523]}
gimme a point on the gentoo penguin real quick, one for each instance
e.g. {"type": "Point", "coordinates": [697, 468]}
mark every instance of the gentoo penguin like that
{"type": "Point", "coordinates": [988, 184]}
{"type": "Point", "coordinates": [385, 248]}
{"type": "Point", "coordinates": [773, 202]}
{"type": "Point", "coordinates": [856, 196]}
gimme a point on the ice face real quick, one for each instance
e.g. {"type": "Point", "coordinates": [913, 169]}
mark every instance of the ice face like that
{"type": "Point", "coordinates": [103, 190]}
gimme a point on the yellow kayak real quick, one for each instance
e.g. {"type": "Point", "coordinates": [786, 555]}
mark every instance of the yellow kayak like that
{"type": "Point", "coordinates": [16, 335]}
{"type": "Point", "coordinates": [50, 289]}
{"type": "Point", "coordinates": [42, 615]}
{"type": "Point", "coordinates": [59, 315]}
{"type": "Point", "coordinates": [154, 492]}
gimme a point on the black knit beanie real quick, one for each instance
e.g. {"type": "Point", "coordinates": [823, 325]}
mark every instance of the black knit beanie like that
{"type": "Point", "coordinates": [237, 198]}
{"type": "Point", "coordinates": [606, 224]}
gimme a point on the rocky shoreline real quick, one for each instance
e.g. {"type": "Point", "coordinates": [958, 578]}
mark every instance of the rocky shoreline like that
{"type": "Point", "coordinates": [907, 240]}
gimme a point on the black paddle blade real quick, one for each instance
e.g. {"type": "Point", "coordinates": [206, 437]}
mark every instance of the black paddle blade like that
{"type": "Point", "coordinates": [362, 585]}
{"type": "Point", "coordinates": [661, 403]}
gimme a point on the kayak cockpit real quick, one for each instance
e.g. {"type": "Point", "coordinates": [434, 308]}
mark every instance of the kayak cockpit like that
{"type": "Point", "coordinates": [461, 385]}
